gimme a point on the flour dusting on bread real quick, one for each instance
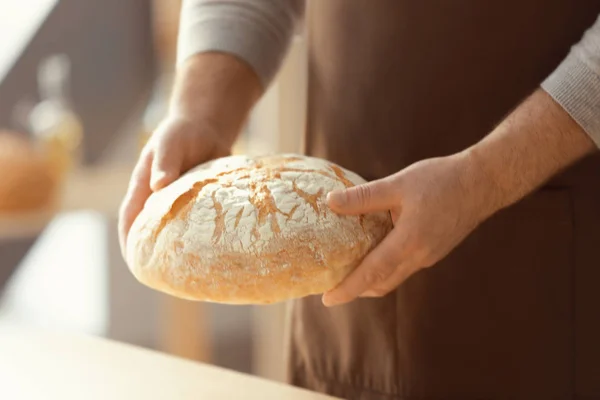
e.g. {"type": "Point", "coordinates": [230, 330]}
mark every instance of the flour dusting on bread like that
{"type": "Point", "coordinates": [251, 230]}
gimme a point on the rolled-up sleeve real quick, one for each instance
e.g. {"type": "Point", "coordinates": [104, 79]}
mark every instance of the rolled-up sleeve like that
{"type": "Point", "coordinates": [575, 84]}
{"type": "Point", "coordinates": [256, 31]}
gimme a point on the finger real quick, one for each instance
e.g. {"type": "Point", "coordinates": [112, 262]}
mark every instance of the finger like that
{"type": "Point", "coordinates": [167, 163]}
{"type": "Point", "coordinates": [400, 275]}
{"type": "Point", "coordinates": [379, 195]}
{"type": "Point", "coordinates": [375, 269]}
{"type": "Point", "coordinates": [136, 196]}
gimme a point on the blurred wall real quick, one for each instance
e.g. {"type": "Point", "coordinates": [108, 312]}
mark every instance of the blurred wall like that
{"type": "Point", "coordinates": [110, 45]}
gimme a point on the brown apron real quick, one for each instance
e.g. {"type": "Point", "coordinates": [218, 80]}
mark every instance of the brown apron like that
{"type": "Point", "coordinates": [514, 311]}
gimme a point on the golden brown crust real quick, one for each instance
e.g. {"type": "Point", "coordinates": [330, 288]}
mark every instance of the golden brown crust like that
{"type": "Point", "coordinates": [27, 182]}
{"type": "Point", "coordinates": [246, 230]}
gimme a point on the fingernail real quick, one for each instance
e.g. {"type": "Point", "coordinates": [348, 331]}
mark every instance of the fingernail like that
{"type": "Point", "coordinates": [329, 301]}
{"type": "Point", "coordinates": [336, 198]}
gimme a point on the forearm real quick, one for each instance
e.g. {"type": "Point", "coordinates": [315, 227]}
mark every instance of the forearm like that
{"type": "Point", "coordinates": [556, 126]}
{"type": "Point", "coordinates": [228, 52]}
{"type": "Point", "coordinates": [217, 89]}
{"type": "Point", "coordinates": [535, 142]}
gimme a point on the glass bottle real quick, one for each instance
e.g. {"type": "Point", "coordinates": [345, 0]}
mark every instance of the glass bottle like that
{"type": "Point", "coordinates": [54, 123]}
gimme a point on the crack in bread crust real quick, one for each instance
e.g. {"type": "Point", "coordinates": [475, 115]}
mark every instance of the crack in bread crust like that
{"type": "Point", "coordinates": [182, 206]}
{"type": "Point", "coordinates": [219, 218]}
{"type": "Point", "coordinates": [264, 203]}
{"type": "Point", "coordinates": [238, 217]}
{"type": "Point", "coordinates": [311, 199]}
{"type": "Point", "coordinates": [341, 175]}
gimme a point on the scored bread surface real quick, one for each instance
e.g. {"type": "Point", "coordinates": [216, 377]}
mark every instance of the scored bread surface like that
{"type": "Point", "coordinates": [251, 230]}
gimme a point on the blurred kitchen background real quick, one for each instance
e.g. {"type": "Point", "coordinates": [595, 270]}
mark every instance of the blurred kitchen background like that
{"type": "Point", "coordinates": [86, 81]}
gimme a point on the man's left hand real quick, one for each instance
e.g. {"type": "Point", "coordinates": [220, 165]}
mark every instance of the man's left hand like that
{"type": "Point", "coordinates": [434, 205]}
{"type": "Point", "coordinates": [437, 202]}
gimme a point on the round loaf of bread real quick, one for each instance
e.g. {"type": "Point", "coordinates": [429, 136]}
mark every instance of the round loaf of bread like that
{"type": "Point", "coordinates": [251, 230]}
{"type": "Point", "coordinates": [27, 182]}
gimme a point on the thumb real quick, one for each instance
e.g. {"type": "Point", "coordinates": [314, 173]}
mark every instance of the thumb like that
{"type": "Point", "coordinates": [361, 199]}
{"type": "Point", "coordinates": [167, 164]}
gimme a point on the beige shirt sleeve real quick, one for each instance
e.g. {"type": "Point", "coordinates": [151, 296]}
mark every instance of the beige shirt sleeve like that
{"type": "Point", "coordinates": [575, 84]}
{"type": "Point", "coordinates": [256, 31]}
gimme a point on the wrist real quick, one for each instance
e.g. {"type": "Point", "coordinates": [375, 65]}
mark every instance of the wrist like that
{"type": "Point", "coordinates": [534, 143]}
{"type": "Point", "coordinates": [479, 182]}
{"type": "Point", "coordinates": [217, 90]}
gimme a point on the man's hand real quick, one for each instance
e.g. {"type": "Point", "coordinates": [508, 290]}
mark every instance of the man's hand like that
{"type": "Point", "coordinates": [436, 203]}
{"type": "Point", "coordinates": [212, 97]}
{"type": "Point", "coordinates": [176, 146]}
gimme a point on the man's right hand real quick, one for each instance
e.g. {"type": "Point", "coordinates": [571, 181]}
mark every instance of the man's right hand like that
{"type": "Point", "coordinates": [175, 147]}
{"type": "Point", "coordinates": [212, 97]}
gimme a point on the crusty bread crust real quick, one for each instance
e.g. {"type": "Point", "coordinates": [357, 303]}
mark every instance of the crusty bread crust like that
{"type": "Point", "coordinates": [251, 230]}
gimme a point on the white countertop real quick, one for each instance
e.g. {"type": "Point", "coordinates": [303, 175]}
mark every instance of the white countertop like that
{"type": "Point", "coordinates": [52, 365]}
